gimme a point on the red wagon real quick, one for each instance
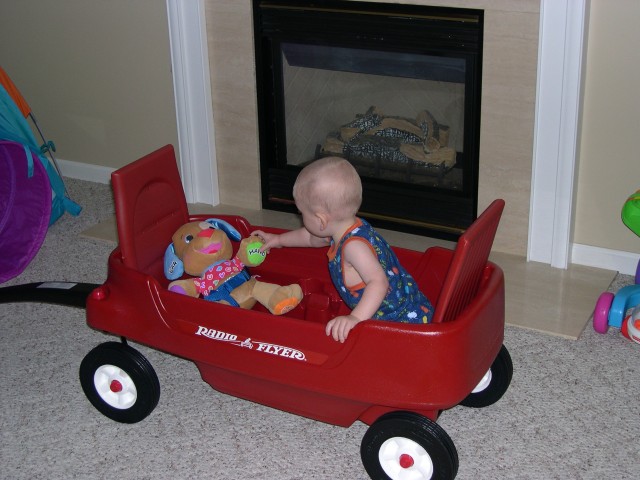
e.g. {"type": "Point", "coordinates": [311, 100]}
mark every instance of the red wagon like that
{"type": "Point", "coordinates": [396, 378]}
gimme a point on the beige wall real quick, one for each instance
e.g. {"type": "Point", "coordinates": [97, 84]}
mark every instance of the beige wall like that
{"type": "Point", "coordinates": [96, 73]}
{"type": "Point", "coordinates": [508, 105]}
{"type": "Point", "coordinates": [609, 169]}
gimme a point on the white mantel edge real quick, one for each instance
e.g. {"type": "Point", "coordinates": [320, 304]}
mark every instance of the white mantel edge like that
{"type": "Point", "coordinates": [194, 109]}
{"type": "Point", "coordinates": [563, 25]}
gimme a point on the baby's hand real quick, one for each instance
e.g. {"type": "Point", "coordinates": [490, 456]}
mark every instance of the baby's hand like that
{"type": "Point", "coordinates": [340, 327]}
{"type": "Point", "coordinates": [271, 240]}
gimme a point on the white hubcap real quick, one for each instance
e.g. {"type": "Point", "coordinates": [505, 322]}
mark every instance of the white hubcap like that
{"type": "Point", "coordinates": [115, 387]}
{"type": "Point", "coordinates": [404, 459]}
{"type": "Point", "coordinates": [484, 383]}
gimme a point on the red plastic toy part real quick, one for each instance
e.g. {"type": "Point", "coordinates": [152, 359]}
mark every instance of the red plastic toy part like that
{"type": "Point", "coordinates": [632, 324]}
{"type": "Point", "coordinates": [150, 205]}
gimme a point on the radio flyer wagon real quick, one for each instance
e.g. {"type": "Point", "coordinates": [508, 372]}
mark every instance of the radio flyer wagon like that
{"type": "Point", "coordinates": [396, 378]}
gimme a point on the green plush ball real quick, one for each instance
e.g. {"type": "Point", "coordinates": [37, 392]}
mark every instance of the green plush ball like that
{"type": "Point", "coordinates": [254, 255]}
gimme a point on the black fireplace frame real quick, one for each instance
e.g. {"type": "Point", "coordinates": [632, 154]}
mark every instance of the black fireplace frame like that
{"type": "Point", "coordinates": [426, 30]}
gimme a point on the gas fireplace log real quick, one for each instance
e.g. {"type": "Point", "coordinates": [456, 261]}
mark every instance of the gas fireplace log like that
{"type": "Point", "coordinates": [444, 156]}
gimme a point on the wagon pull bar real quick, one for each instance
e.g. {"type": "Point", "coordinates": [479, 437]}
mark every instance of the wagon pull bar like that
{"type": "Point", "coordinates": [72, 294]}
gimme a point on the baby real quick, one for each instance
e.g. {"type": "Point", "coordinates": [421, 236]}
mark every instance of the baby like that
{"type": "Point", "coordinates": [363, 268]}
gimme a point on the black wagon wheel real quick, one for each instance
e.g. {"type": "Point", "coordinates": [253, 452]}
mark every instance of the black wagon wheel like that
{"type": "Point", "coordinates": [120, 382]}
{"type": "Point", "coordinates": [405, 445]}
{"type": "Point", "coordinates": [494, 384]}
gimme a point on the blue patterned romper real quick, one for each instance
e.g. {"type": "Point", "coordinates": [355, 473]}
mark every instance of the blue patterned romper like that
{"type": "Point", "coordinates": [404, 301]}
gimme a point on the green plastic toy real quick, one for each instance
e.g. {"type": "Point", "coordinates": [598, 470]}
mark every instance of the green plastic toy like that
{"type": "Point", "coordinates": [631, 213]}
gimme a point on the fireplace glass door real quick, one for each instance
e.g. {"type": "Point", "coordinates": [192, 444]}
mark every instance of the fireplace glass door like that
{"type": "Point", "coordinates": [372, 83]}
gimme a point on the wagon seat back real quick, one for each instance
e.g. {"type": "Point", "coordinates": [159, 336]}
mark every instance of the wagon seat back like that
{"type": "Point", "coordinates": [470, 257]}
{"type": "Point", "coordinates": [150, 206]}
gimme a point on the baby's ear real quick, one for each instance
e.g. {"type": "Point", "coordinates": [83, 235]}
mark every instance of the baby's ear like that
{"type": "Point", "coordinates": [323, 219]}
{"type": "Point", "coordinates": [249, 251]}
{"type": "Point", "coordinates": [173, 266]}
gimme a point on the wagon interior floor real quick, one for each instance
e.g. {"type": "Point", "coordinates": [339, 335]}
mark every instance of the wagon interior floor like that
{"type": "Point", "coordinates": [538, 297]}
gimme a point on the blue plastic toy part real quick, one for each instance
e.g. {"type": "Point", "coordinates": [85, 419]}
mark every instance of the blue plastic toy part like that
{"type": "Point", "coordinates": [626, 298]}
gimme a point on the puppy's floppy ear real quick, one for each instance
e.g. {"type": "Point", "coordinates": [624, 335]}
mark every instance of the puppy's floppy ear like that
{"type": "Point", "coordinates": [226, 227]}
{"type": "Point", "coordinates": [173, 266]}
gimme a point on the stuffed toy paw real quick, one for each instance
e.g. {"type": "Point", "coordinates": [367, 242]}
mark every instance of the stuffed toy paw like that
{"type": "Point", "coordinates": [204, 251]}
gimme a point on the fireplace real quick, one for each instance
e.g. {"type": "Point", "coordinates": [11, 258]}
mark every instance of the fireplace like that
{"type": "Point", "coordinates": [394, 89]}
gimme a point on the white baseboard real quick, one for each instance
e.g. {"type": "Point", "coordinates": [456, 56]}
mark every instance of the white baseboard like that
{"type": "Point", "coordinates": [85, 171]}
{"type": "Point", "coordinates": [617, 260]}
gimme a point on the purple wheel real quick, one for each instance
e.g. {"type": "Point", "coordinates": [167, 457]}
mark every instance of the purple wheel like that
{"type": "Point", "coordinates": [601, 312]}
{"type": "Point", "coordinates": [638, 273]}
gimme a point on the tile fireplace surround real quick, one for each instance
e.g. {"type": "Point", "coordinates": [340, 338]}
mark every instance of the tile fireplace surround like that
{"type": "Point", "coordinates": [508, 107]}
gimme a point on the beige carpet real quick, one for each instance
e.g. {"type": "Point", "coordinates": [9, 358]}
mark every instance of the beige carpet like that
{"type": "Point", "coordinates": [568, 414]}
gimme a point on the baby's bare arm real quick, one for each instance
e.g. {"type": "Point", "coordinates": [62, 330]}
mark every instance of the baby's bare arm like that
{"type": "Point", "coordinates": [293, 238]}
{"type": "Point", "coordinates": [359, 256]}
{"type": "Point", "coordinates": [270, 240]}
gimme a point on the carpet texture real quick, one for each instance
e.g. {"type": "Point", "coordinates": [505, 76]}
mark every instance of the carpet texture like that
{"type": "Point", "coordinates": [571, 411]}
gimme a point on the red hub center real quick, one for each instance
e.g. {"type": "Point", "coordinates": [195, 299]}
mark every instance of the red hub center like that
{"type": "Point", "coordinates": [406, 461]}
{"type": "Point", "coordinates": [115, 386]}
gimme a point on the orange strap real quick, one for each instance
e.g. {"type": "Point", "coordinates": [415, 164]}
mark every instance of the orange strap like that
{"type": "Point", "coordinates": [15, 93]}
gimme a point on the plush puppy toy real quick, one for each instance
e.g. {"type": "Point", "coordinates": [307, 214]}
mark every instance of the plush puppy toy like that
{"type": "Point", "coordinates": [203, 250]}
